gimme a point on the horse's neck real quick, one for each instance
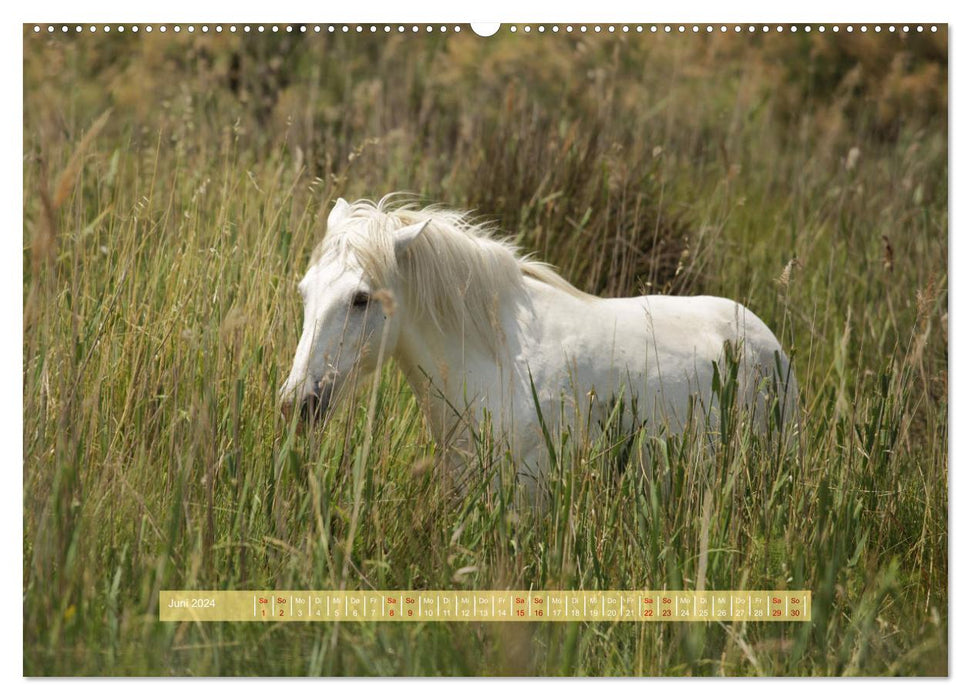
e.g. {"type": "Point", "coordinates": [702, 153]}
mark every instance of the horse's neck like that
{"type": "Point", "coordinates": [456, 375]}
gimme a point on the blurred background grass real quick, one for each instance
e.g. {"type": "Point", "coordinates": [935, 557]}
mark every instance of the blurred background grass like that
{"type": "Point", "coordinates": [174, 186]}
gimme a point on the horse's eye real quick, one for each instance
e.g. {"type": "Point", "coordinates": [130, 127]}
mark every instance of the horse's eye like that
{"type": "Point", "coordinates": [361, 299]}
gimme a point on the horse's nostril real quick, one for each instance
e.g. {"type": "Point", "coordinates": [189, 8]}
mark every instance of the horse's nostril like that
{"type": "Point", "coordinates": [310, 408]}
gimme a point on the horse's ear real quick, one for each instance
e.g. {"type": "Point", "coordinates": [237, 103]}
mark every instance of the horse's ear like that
{"type": "Point", "coordinates": [404, 237]}
{"type": "Point", "coordinates": [338, 213]}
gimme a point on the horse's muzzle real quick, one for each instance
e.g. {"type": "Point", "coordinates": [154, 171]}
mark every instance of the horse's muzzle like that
{"type": "Point", "coordinates": [313, 407]}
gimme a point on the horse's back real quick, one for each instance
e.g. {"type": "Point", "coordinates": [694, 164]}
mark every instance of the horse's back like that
{"type": "Point", "coordinates": [656, 356]}
{"type": "Point", "coordinates": [684, 340]}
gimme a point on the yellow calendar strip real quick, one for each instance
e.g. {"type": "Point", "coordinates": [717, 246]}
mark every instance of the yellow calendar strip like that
{"type": "Point", "coordinates": [485, 606]}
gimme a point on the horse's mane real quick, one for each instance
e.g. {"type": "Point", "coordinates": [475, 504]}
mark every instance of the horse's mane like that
{"type": "Point", "coordinates": [457, 271]}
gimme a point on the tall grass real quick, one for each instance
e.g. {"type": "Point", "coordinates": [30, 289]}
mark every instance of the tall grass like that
{"type": "Point", "coordinates": [163, 240]}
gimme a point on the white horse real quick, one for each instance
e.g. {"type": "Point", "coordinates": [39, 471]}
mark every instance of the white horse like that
{"type": "Point", "coordinates": [491, 341]}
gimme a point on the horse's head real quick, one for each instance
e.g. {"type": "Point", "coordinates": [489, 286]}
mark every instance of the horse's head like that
{"type": "Point", "coordinates": [348, 316]}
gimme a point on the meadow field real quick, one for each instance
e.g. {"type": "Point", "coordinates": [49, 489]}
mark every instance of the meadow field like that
{"type": "Point", "coordinates": [174, 187]}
